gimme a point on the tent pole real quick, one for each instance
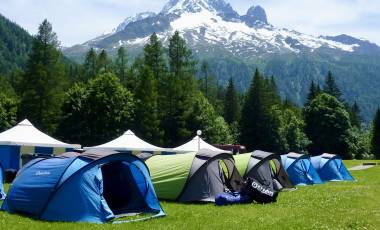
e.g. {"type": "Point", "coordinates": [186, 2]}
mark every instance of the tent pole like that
{"type": "Point", "coordinates": [199, 133]}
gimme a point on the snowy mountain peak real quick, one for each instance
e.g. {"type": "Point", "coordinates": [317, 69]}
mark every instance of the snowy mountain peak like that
{"type": "Point", "coordinates": [255, 15]}
{"type": "Point", "coordinates": [137, 17]}
{"type": "Point", "coordinates": [213, 25]}
{"type": "Point", "coordinates": [179, 7]}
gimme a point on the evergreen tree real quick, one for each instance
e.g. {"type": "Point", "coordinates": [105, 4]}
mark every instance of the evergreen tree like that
{"type": "Point", "coordinates": [331, 87]}
{"type": "Point", "coordinates": [231, 104]}
{"type": "Point", "coordinates": [355, 116]}
{"type": "Point", "coordinates": [104, 63]}
{"type": "Point", "coordinates": [42, 86]}
{"type": "Point", "coordinates": [181, 59]}
{"type": "Point", "coordinates": [375, 141]}
{"type": "Point", "coordinates": [122, 64]}
{"type": "Point", "coordinates": [327, 126]}
{"type": "Point", "coordinates": [97, 111]}
{"type": "Point", "coordinates": [210, 87]}
{"type": "Point", "coordinates": [154, 58]}
{"type": "Point", "coordinates": [205, 72]}
{"type": "Point", "coordinates": [259, 126]}
{"type": "Point", "coordinates": [147, 120]}
{"type": "Point", "coordinates": [90, 65]}
{"type": "Point", "coordinates": [271, 88]}
{"type": "Point", "coordinates": [314, 91]}
{"type": "Point", "coordinates": [180, 92]}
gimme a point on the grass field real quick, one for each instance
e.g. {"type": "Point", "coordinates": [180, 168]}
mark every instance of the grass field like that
{"type": "Point", "coordinates": [341, 205]}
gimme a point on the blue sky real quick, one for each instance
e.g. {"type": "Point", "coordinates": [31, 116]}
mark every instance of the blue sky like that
{"type": "Point", "coordinates": [77, 21]}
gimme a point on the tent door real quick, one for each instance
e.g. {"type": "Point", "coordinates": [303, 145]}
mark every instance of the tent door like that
{"type": "Point", "coordinates": [121, 190]}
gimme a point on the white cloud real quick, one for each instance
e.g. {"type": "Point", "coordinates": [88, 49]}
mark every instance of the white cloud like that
{"type": "Point", "coordinates": [77, 21]}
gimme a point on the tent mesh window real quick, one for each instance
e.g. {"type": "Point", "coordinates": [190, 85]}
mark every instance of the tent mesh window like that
{"type": "Point", "coordinates": [233, 179]}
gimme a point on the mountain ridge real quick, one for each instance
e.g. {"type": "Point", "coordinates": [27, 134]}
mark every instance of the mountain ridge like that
{"type": "Point", "coordinates": [215, 21]}
{"type": "Point", "coordinates": [235, 44]}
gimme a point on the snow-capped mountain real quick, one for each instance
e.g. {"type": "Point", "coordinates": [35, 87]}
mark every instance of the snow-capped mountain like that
{"type": "Point", "coordinates": [209, 25]}
{"type": "Point", "coordinates": [234, 45]}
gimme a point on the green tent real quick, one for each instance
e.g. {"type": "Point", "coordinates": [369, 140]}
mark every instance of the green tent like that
{"type": "Point", "coordinates": [264, 167]}
{"type": "Point", "coordinates": [193, 176]}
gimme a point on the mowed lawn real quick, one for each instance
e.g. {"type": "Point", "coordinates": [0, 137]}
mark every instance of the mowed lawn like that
{"type": "Point", "coordinates": [339, 205]}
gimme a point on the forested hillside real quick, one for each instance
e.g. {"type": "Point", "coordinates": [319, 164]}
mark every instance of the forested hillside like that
{"type": "Point", "coordinates": [15, 45]}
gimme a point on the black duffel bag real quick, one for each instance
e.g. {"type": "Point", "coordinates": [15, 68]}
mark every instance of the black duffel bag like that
{"type": "Point", "coordinates": [259, 192]}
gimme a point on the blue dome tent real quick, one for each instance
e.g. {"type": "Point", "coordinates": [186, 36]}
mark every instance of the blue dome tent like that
{"type": "Point", "coordinates": [96, 186]}
{"type": "Point", "coordinates": [300, 169]}
{"type": "Point", "coordinates": [2, 193]}
{"type": "Point", "coordinates": [331, 168]}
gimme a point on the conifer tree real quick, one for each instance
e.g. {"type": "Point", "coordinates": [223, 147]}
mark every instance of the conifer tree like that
{"type": "Point", "coordinates": [331, 87]}
{"type": "Point", "coordinates": [181, 61]}
{"type": "Point", "coordinates": [147, 120]}
{"type": "Point", "coordinates": [355, 116]}
{"type": "Point", "coordinates": [313, 92]}
{"type": "Point", "coordinates": [90, 64]}
{"type": "Point", "coordinates": [154, 58]}
{"type": "Point", "coordinates": [43, 83]}
{"type": "Point", "coordinates": [121, 64]}
{"type": "Point", "coordinates": [180, 91]}
{"type": "Point", "coordinates": [375, 141]}
{"type": "Point", "coordinates": [231, 104]}
{"type": "Point", "coordinates": [205, 72]}
{"type": "Point", "coordinates": [271, 89]}
{"type": "Point", "coordinates": [259, 125]}
{"type": "Point", "coordinates": [103, 62]}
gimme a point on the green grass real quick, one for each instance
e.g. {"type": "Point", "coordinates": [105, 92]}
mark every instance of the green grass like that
{"type": "Point", "coordinates": [340, 205]}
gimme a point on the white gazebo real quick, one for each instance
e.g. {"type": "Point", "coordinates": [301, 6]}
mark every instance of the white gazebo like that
{"type": "Point", "coordinates": [195, 145]}
{"type": "Point", "coordinates": [24, 138]}
{"type": "Point", "coordinates": [129, 142]}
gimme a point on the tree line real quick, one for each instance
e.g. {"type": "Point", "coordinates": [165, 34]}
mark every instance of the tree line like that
{"type": "Point", "coordinates": [165, 95]}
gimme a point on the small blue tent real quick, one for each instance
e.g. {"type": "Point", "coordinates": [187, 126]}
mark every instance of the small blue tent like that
{"type": "Point", "coordinates": [2, 192]}
{"type": "Point", "coordinates": [331, 168]}
{"type": "Point", "coordinates": [92, 187]}
{"type": "Point", "coordinates": [300, 169]}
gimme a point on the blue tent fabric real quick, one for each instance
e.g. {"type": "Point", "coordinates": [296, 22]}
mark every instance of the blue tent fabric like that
{"type": "Point", "coordinates": [2, 192]}
{"type": "Point", "coordinates": [300, 169]}
{"type": "Point", "coordinates": [331, 168]}
{"type": "Point", "coordinates": [81, 189]}
{"type": "Point", "coordinates": [10, 155]}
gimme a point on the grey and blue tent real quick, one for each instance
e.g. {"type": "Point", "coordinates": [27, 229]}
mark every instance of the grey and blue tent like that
{"type": "Point", "coordinates": [331, 168]}
{"type": "Point", "coordinates": [92, 187]}
{"type": "Point", "coordinates": [194, 176]}
{"type": "Point", "coordinates": [265, 167]}
{"type": "Point", "coordinates": [300, 169]}
{"type": "Point", "coordinates": [2, 192]}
